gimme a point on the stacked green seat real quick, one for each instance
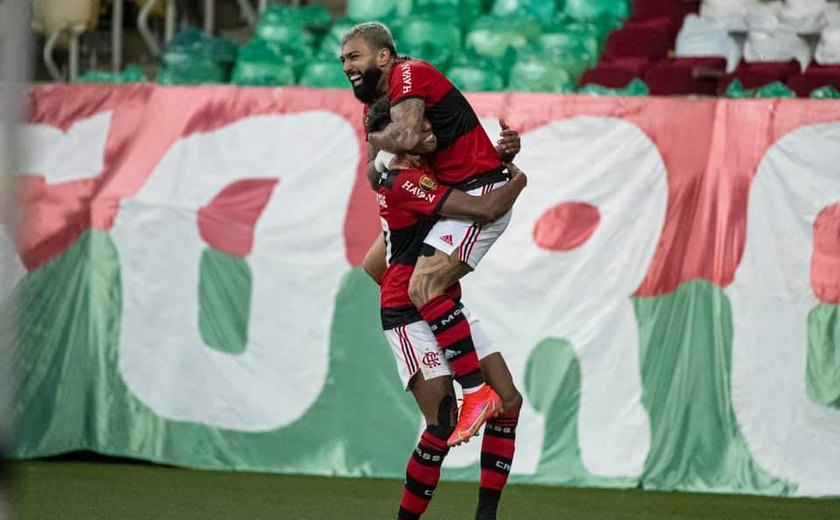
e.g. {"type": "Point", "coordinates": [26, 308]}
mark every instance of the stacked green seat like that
{"type": "Point", "coordinates": [461, 12]}
{"type": "Point", "coordinates": [543, 10]}
{"type": "Point", "coordinates": [283, 46]}
{"type": "Point", "coordinates": [474, 73]}
{"type": "Point", "coordinates": [827, 92]}
{"type": "Point", "coordinates": [776, 89]}
{"type": "Point", "coordinates": [593, 9]}
{"type": "Point", "coordinates": [537, 71]}
{"type": "Point", "coordinates": [324, 73]}
{"type": "Point", "coordinates": [501, 38]}
{"type": "Point", "coordinates": [365, 10]}
{"type": "Point", "coordinates": [637, 87]}
{"type": "Point", "coordinates": [331, 43]}
{"type": "Point", "coordinates": [193, 57]}
{"type": "Point", "coordinates": [131, 74]}
{"type": "Point", "coordinates": [269, 64]}
{"type": "Point", "coordinates": [429, 38]}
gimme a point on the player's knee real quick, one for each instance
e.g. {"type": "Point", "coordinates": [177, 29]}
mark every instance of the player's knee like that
{"type": "Point", "coordinates": [445, 420]}
{"type": "Point", "coordinates": [423, 288]}
{"type": "Point", "coordinates": [417, 291]}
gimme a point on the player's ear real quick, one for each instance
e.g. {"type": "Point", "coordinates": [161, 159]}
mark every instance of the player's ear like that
{"type": "Point", "coordinates": [382, 57]}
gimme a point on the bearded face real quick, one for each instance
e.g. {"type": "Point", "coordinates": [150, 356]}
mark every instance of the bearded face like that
{"type": "Point", "coordinates": [360, 67]}
{"type": "Point", "coordinates": [365, 89]}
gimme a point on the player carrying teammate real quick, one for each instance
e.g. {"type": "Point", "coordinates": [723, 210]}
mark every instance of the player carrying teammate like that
{"type": "Point", "coordinates": [409, 197]}
{"type": "Point", "coordinates": [465, 159]}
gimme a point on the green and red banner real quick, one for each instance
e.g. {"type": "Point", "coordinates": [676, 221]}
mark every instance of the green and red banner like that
{"type": "Point", "coordinates": [189, 288]}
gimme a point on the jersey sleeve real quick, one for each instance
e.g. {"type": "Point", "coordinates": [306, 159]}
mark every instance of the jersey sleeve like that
{"type": "Point", "coordinates": [412, 79]}
{"type": "Point", "coordinates": [417, 192]}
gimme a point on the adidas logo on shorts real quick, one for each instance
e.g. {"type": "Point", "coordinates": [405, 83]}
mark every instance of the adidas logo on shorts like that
{"type": "Point", "coordinates": [447, 239]}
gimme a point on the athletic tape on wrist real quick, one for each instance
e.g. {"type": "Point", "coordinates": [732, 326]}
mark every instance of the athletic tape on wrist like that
{"type": "Point", "coordinates": [383, 160]}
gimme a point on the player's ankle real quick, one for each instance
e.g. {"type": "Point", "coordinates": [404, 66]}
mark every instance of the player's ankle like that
{"type": "Point", "coordinates": [473, 389]}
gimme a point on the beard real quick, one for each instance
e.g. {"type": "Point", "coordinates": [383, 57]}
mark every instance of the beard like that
{"type": "Point", "coordinates": [366, 90]}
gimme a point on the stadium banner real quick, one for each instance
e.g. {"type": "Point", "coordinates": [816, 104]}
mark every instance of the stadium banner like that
{"type": "Point", "coordinates": [189, 288]}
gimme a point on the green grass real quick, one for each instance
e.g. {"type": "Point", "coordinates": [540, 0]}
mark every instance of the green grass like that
{"type": "Point", "coordinates": [116, 490]}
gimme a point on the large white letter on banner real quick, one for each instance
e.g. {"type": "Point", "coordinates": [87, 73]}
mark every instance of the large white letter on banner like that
{"type": "Point", "coordinates": [788, 434]}
{"type": "Point", "coordinates": [58, 157]}
{"type": "Point", "coordinates": [526, 293]}
{"type": "Point", "coordinates": [298, 261]}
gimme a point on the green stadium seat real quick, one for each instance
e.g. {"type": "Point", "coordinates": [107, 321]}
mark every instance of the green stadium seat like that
{"type": "Point", "coordinates": [571, 38]}
{"type": "Point", "coordinates": [131, 74]}
{"type": "Point", "coordinates": [193, 57]}
{"type": "Point", "coordinates": [593, 9]}
{"type": "Point", "coordinates": [419, 30]}
{"type": "Point", "coordinates": [324, 74]}
{"type": "Point", "coordinates": [467, 10]}
{"type": "Point", "coordinates": [636, 88]}
{"type": "Point", "coordinates": [500, 38]}
{"type": "Point", "coordinates": [436, 55]}
{"type": "Point", "coordinates": [777, 89]}
{"type": "Point", "coordinates": [736, 90]}
{"type": "Point", "coordinates": [827, 92]}
{"type": "Point", "coordinates": [370, 9]}
{"type": "Point", "coordinates": [535, 74]}
{"type": "Point", "coordinates": [268, 63]}
{"type": "Point", "coordinates": [543, 10]}
{"type": "Point", "coordinates": [331, 43]}
{"type": "Point", "coordinates": [285, 24]}
{"type": "Point", "coordinates": [475, 79]}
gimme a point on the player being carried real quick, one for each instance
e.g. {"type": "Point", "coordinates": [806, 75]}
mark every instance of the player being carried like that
{"type": "Point", "coordinates": [409, 199]}
{"type": "Point", "coordinates": [464, 159]}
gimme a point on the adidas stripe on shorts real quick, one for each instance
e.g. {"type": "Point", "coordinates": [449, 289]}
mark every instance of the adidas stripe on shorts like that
{"type": "Point", "coordinates": [415, 348]}
{"type": "Point", "coordinates": [471, 240]}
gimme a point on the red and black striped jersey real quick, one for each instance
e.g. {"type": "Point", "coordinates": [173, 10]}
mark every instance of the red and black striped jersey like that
{"type": "Point", "coordinates": [464, 154]}
{"type": "Point", "coordinates": [409, 201]}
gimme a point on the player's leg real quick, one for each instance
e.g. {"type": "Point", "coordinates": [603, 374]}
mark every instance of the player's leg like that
{"type": "Point", "coordinates": [426, 374]}
{"type": "Point", "coordinates": [427, 290]}
{"type": "Point", "coordinates": [459, 246]}
{"type": "Point", "coordinates": [498, 444]}
{"type": "Point", "coordinates": [436, 400]}
{"type": "Point", "coordinates": [453, 248]}
{"type": "Point", "coordinates": [374, 263]}
{"type": "Point", "coordinates": [447, 321]}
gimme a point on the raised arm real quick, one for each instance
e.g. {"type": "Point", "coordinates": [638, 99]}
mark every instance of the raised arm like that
{"type": "Point", "coordinates": [487, 207]}
{"type": "Point", "coordinates": [406, 129]}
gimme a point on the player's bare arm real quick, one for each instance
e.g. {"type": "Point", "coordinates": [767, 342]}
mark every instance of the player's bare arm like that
{"type": "Point", "coordinates": [406, 129]}
{"type": "Point", "coordinates": [487, 207]}
{"type": "Point", "coordinates": [370, 172]}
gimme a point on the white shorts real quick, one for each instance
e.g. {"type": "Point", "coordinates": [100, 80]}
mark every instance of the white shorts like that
{"type": "Point", "coordinates": [415, 348]}
{"type": "Point", "coordinates": [470, 239]}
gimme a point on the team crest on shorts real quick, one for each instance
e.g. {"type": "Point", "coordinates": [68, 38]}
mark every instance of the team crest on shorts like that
{"type": "Point", "coordinates": [431, 359]}
{"type": "Point", "coordinates": [427, 183]}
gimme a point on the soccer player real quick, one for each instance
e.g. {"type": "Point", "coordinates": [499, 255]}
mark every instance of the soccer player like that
{"type": "Point", "coordinates": [465, 159]}
{"type": "Point", "coordinates": [409, 196]}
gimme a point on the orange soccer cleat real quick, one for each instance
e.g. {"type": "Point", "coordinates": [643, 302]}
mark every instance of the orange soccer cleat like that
{"type": "Point", "coordinates": [476, 409]}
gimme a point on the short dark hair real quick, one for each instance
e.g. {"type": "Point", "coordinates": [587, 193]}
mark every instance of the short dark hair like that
{"type": "Point", "coordinates": [379, 115]}
{"type": "Point", "coordinates": [375, 34]}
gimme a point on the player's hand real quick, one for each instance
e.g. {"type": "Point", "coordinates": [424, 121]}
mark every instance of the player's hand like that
{"type": "Point", "coordinates": [411, 160]}
{"type": "Point", "coordinates": [516, 175]}
{"type": "Point", "coordinates": [509, 143]}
